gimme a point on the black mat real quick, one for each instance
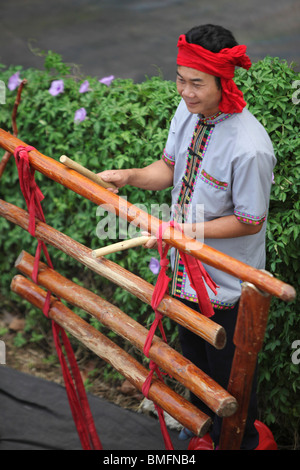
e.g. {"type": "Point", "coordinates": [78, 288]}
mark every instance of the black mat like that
{"type": "Point", "coordinates": [35, 415]}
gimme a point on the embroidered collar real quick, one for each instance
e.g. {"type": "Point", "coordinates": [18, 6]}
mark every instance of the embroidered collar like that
{"type": "Point", "coordinates": [215, 119]}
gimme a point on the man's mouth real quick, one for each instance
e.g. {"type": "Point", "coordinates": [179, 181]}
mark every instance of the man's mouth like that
{"type": "Point", "coordinates": [188, 103]}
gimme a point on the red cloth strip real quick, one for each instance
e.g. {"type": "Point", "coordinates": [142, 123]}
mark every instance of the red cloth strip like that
{"type": "Point", "coordinates": [74, 385]}
{"type": "Point", "coordinates": [145, 390]}
{"type": "Point", "coordinates": [197, 275]}
{"type": "Point", "coordinates": [159, 290]}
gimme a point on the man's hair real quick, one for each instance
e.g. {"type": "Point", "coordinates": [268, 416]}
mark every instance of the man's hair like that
{"type": "Point", "coordinates": [211, 37]}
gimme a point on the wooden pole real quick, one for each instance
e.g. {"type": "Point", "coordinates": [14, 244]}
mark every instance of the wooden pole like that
{"type": "Point", "coordinates": [174, 309]}
{"type": "Point", "coordinates": [115, 247]}
{"type": "Point", "coordinates": [215, 397]}
{"type": "Point", "coordinates": [95, 193]}
{"type": "Point", "coordinates": [178, 407]}
{"type": "Point", "coordinates": [248, 339]}
{"type": "Point", "coordinates": [84, 171]}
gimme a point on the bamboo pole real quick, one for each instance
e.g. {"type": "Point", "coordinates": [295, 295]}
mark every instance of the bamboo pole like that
{"type": "Point", "coordinates": [248, 339]}
{"type": "Point", "coordinates": [84, 171]}
{"type": "Point", "coordinates": [121, 246]}
{"type": "Point", "coordinates": [95, 193]}
{"type": "Point", "coordinates": [178, 407]}
{"type": "Point", "coordinates": [215, 397]}
{"type": "Point", "coordinates": [174, 309]}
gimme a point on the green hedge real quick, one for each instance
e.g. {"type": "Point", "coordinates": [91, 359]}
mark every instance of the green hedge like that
{"type": "Point", "coordinates": [126, 125]}
{"type": "Point", "coordinates": [272, 97]}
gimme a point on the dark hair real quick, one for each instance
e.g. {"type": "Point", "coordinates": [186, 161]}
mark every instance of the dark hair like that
{"type": "Point", "coordinates": [211, 37]}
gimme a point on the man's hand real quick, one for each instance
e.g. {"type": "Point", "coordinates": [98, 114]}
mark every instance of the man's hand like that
{"type": "Point", "coordinates": [152, 243]}
{"type": "Point", "coordinates": [118, 177]}
{"type": "Point", "coordinates": [155, 177]}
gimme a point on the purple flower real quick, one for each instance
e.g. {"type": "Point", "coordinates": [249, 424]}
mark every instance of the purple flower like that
{"type": "Point", "coordinates": [107, 80]}
{"type": "Point", "coordinates": [57, 87]}
{"type": "Point", "coordinates": [273, 179]}
{"type": "Point", "coordinates": [14, 81]}
{"type": "Point", "coordinates": [154, 265]}
{"type": "Point", "coordinates": [80, 115]}
{"type": "Point", "coordinates": [84, 87]}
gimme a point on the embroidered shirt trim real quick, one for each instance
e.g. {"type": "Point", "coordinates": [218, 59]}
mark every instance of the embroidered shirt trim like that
{"type": "Point", "coordinates": [196, 151]}
{"type": "Point", "coordinates": [248, 218]}
{"type": "Point", "coordinates": [168, 159]}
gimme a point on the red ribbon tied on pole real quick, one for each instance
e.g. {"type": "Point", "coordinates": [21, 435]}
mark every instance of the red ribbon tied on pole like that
{"type": "Point", "coordinates": [74, 386]}
{"type": "Point", "coordinates": [197, 275]}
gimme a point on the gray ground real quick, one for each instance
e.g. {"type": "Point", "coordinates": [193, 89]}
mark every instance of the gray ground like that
{"type": "Point", "coordinates": [134, 38]}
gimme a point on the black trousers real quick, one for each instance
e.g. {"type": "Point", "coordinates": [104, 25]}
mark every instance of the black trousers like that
{"type": "Point", "coordinates": [217, 364]}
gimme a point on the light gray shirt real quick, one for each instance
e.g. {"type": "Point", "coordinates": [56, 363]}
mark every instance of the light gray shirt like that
{"type": "Point", "coordinates": [234, 177]}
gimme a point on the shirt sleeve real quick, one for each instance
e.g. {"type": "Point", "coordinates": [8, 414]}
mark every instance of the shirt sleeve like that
{"type": "Point", "coordinates": [168, 155]}
{"type": "Point", "coordinates": [252, 180]}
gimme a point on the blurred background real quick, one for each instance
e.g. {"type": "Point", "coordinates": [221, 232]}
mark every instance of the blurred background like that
{"type": "Point", "coordinates": [135, 38]}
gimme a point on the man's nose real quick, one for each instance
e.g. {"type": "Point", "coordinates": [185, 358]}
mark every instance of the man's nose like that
{"type": "Point", "coordinates": [187, 91]}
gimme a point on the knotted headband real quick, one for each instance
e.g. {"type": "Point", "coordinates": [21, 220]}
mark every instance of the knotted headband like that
{"type": "Point", "coordinates": [220, 64]}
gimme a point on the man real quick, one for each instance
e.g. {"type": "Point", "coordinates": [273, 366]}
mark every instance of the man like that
{"type": "Point", "coordinates": [219, 156]}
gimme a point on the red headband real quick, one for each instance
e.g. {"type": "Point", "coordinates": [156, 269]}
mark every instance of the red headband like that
{"type": "Point", "coordinates": [220, 64]}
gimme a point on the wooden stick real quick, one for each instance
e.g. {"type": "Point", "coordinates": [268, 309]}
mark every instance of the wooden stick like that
{"type": "Point", "coordinates": [178, 407]}
{"type": "Point", "coordinates": [95, 193]}
{"type": "Point", "coordinates": [215, 397]}
{"type": "Point", "coordinates": [120, 246]}
{"type": "Point", "coordinates": [174, 309]}
{"type": "Point", "coordinates": [85, 172]}
{"type": "Point", "coordinates": [248, 339]}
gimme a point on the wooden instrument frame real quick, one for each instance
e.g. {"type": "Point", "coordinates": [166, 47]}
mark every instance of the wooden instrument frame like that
{"type": "Point", "coordinates": [257, 290]}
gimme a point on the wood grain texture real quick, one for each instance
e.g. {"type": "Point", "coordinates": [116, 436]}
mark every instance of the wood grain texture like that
{"type": "Point", "coordinates": [85, 187]}
{"type": "Point", "coordinates": [173, 363]}
{"type": "Point", "coordinates": [174, 309]}
{"type": "Point", "coordinates": [178, 407]}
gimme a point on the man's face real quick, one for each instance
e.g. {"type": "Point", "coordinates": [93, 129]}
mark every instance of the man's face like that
{"type": "Point", "coordinates": [199, 91]}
